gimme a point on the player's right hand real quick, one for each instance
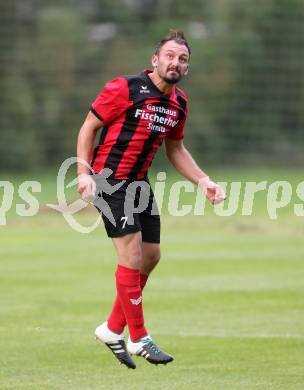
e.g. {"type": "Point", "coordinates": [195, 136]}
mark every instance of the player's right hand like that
{"type": "Point", "coordinates": [86, 187]}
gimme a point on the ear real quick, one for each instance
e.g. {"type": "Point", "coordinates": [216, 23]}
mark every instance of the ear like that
{"type": "Point", "coordinates": [154, 61]}
{"type": "Point", "coordinates": [186, 72]}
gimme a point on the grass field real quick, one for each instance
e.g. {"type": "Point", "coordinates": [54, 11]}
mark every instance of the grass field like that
{"type": "Point", "coordinates": [227, 300]}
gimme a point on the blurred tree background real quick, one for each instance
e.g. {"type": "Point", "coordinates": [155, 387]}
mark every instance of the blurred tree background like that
{"type": "Point", "coordinates": [246, 82]}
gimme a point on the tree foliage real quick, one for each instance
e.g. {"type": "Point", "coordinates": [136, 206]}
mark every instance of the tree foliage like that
{"type": "Point", "coordinates": [245, 84]}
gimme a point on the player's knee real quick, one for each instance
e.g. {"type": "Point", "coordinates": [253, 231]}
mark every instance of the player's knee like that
{"type": "Point", "coordinates": [150, 260]}
{"type": "Point", "coordinates": [157, 256]}
{"type": "Point", "coordinates": [129, 250]}
{"type": "Point", "coordinates": [135, 259]}
{"type": "Point", "coordinates": [154, 256]}
{"type": "Point", "coordinates": [133, 256]}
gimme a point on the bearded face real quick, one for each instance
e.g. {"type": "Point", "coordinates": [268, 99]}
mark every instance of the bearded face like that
{"type": "Point", "coordinates": [171, 62]}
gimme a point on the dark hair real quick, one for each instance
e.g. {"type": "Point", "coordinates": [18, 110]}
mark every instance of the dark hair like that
{"type": "Point", "coordinates": [176, 36]}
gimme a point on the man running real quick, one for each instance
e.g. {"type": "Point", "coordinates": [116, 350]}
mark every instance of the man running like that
{"type": "Point", "coordinates": [137, 114]}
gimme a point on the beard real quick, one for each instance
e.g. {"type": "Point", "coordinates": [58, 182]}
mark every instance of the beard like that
{"type": "Point", "coordinates": [172, 79]}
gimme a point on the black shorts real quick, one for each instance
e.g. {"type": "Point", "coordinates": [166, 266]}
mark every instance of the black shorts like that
{"type": "Point", "coordinates": [128, 206]}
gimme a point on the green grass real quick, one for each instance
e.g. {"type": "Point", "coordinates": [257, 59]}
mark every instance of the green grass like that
{"type": "Point", "coordinates": [226, 300]}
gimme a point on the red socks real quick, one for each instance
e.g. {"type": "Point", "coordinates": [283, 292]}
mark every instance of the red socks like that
{"type": "Point", "coordinates": [117, 320]}
{"type": "Point", "coordinates": [128, 303]}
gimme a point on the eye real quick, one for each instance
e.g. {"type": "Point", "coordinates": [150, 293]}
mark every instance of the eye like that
{"type": "Point", "coordinates": [183, 60]}
{"type": "Point", "coordinates": [170, 56]}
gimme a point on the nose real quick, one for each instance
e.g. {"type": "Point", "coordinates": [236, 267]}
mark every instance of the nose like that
{"type": "Point", "coordinates": [174, 61]}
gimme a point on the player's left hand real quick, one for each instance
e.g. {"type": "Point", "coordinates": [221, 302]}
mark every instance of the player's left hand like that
{"type": "Point", "coordinates": [212, 190]}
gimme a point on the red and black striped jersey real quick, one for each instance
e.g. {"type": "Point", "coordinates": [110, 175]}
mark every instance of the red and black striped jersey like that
{"type": "Point", "coordinates": [137, 117]}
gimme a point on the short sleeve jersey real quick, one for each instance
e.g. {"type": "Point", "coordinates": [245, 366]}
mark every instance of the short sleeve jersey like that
{"type": "Point", "coordinates": [137, 117]}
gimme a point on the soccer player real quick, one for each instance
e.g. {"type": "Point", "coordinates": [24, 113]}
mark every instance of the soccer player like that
{"type": "Point", "coordinates": [137, 114]}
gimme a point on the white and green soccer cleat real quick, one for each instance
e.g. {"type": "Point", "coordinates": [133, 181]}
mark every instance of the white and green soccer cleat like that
{"type": "Point", "coordinates": [149, 350]}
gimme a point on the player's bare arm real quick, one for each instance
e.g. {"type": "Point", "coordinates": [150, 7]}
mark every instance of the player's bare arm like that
{"type": "Point", "coordinates": [85, 144]}
{"type": "Point", "coordinates": [185, 164]}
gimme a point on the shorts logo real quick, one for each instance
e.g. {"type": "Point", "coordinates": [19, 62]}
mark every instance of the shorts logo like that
{"type": "Point", "coordinates": [144, 89]}
{"type": "Point", "coordinates": [136, 301]}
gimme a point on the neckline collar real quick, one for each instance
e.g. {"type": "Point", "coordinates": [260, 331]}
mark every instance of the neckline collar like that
{"type": "Point", "coordinates": [146, 76]}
